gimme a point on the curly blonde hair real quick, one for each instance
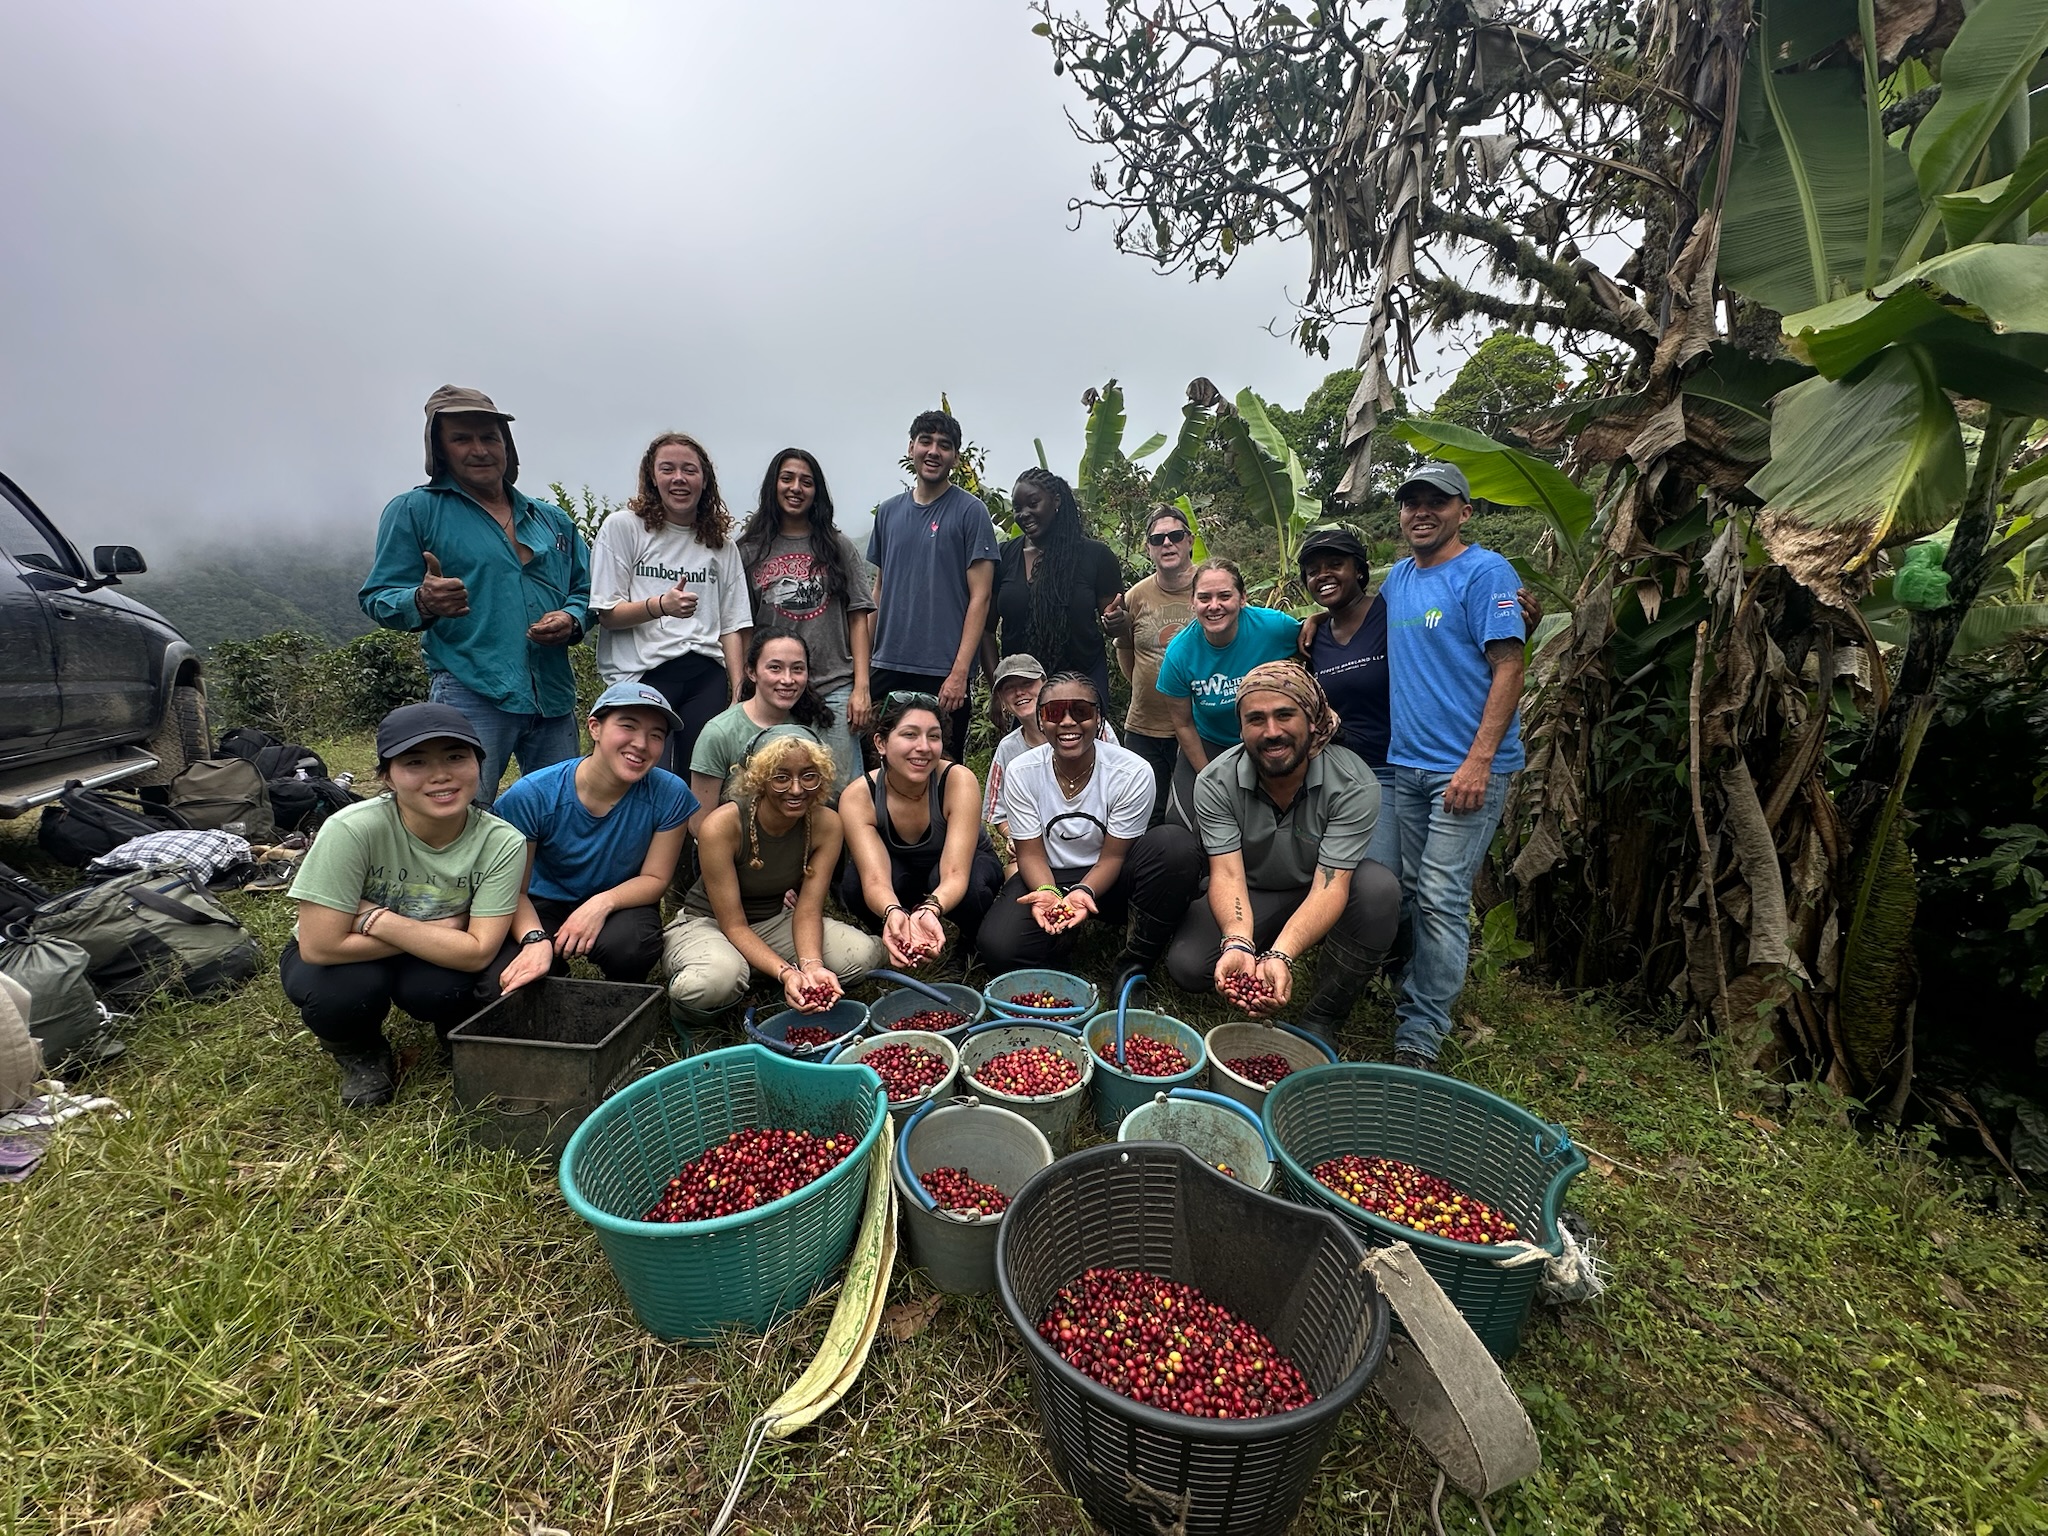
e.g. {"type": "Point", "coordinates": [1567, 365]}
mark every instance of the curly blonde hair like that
{"type": "Point", "coordinates": [714, 518]}
{"type": "Point", "coordinates": [762, 767]}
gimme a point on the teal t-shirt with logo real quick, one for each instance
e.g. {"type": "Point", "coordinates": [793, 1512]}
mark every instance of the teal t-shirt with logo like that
{"type": "Point", "coordinates": [1439, 619]}
{"type": "Point", "coordinates": [1194, 669]}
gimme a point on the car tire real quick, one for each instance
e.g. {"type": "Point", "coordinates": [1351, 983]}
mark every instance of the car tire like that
{"type": "Point", "coordinates": [182, 739]}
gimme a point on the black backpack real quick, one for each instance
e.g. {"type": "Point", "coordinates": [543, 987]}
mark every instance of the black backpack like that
{"type": "Point", "coordinates": [19, 896]}
{"type": "Point", "coordinates": [300, 805]}
{"type": "Point", "coordinates": [85, 823]}
{"type": "Point", "coordinates": [274, 759]}
{"type": "Point", "coordinates": [296, 804]}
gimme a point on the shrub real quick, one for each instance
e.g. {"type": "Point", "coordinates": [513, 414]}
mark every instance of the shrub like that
{"type": "Point", "coordinates": [295, 686]}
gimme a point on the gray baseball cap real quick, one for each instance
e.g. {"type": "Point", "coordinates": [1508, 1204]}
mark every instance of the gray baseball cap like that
{"type": "Point", "coordinates": [1019, 665]}
{"type": "Point", "coordinates": [1447, 478]}
{"type": "Point", "coordinates": [410, 724]}
{"type": "Point", "coordinates": [632, 695]}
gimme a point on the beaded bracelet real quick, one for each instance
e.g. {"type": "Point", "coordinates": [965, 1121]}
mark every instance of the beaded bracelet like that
{"type": "Point", "coordinates": [1282, 956]}
{"type": "Point", "coordinates": [1245, 945]}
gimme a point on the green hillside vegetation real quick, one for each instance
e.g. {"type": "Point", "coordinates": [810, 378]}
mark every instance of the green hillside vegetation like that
{"type": "Point", "coordinates": [220, 594]}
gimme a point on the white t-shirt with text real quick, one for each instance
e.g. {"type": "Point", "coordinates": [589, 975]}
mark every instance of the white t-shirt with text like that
{"type": "Point", "coordinates": [628, 564]}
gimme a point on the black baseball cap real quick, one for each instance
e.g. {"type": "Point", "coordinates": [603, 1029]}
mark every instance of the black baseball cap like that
{"type": "Point", "coordinates": [1341, 538]}
{"type": "Point", "coordinates": [410, 724]}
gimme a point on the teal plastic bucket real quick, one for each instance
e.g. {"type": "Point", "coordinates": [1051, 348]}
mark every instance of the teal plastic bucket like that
{"type": "Point", "coordinates": [844, 1019]}
{"type": "Point", "coordinates": [1064, 984]}
{"type": "Point", "coordinates": [904, 1001]}
{"type": "Point", "coordinates": [1221, 1132]}
{"type": "Point", "coordinates": [1118, 1091]}
{"type": "Point", "coordinates": [995, 1146]}
{"type": "Point", "coordinates": [695, 1279]}
{"type": "Point", "coordinates": [1055, 1114]}
{"type": "Point", "coordinates": [856, 1051]}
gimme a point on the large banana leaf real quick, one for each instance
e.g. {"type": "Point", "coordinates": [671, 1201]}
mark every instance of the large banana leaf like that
{"type": "Point", "coordinates": [1504, 475]}
{"type": "Point", "coordinates": [2003, 287]}
{"type": "Point", "coordinates": [1251, 410]}
{"type": "Point", "coordinates": [1986, 212]}
{"type": "Point", "coordinates": [1103, 444]}
{"type": "Point", "coordinates": [1270, 481]}
{"type": "Point", "coordinates": [1795, 224]}
{"type": "Point", "coordinates": [1150, 446]}
{"type": "Point", "coordinates": [1989, 624]}
{"type": "Point", "coordinates": [1983, 72]}
{"type": "Point", "coordinates": [1867, 458]}
{"type": "Point", "coordinates": [1195, 422]}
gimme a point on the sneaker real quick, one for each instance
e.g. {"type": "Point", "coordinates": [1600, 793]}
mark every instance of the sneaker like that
{"type": "Point", "coordinates": [368, 1078]}
{"type": "Point", "coordinates": [1407, 1057]}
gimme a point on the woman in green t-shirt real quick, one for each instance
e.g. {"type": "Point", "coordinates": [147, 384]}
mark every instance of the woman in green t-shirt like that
{"type": "Point", "coordinates": [409, 898]}
{"type": "Point", "coordinates": [777, 694]}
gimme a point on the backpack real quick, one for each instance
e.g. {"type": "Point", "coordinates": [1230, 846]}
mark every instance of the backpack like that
{"type": "Point", "coordinates": [297, 803]}
{"type": "Point", "coordinates": [19, 896]}
{"type": "Point", "coordinates": [151, 929]}
{"type": "Point", "coordinates": [64, 1015]}
{"type": "Point", "coordinates": [225, 794]}
{"type": "Point", "coordinates": [21, 1061]}
{"type": "Point", "coordinates": [274, 759]}
{"type": "Point", "coordinates": [85, 823]}
{"type": "Point", "coordinates": [300, 805]}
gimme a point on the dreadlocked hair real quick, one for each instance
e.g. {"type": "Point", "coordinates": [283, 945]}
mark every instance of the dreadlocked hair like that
{"type": "Point", "coordinates": [1059, 558]}
{"type": "Point", "coordinates": [761, 767]}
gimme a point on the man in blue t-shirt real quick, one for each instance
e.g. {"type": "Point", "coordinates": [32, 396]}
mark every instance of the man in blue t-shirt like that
{"type": "Point", "coordinates": [1454, 653]}
{"type": "Point", "coordinates": [603, 833]}
{"type": "Point", "coordinates": [936, 552]}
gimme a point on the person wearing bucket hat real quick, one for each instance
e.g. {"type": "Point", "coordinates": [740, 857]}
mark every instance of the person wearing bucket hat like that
{"type": "Point", "coordinates": [411, 898]}
{"type": "Point", "coordinates": [496, 584]}
{"type": "Point", "coordinates": [1014, 690]}
{"type": "Point", "coordinates": [1455, 631]}
{"type": "Point", "coordinates": [603, 834]}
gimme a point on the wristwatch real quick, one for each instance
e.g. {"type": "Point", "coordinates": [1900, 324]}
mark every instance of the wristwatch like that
{"type": "Point", "coordinates": [537, 936]}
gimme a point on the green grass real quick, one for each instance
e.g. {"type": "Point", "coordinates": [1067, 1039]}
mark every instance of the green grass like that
{"type": "Point", "coordinates": [246, 1309]}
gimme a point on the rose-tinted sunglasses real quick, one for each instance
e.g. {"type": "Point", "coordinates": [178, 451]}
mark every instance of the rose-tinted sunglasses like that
{"type": "Point", "coordinates": [1060, 711]}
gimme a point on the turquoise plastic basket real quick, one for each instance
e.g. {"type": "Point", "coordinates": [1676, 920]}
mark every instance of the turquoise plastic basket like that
{"type": "Point", "coordinates": [1060, 983]}
{"type": "Point", "coordinates": [1116, 1091]}
{"type": "Point", "coordinates": [694, 1279]}
{"type": "Point", "coordinates": [1482, 1143]}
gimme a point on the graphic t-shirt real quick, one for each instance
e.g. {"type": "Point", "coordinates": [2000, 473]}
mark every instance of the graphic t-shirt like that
{"type": "Point", "coordinates": [576, 855]}
{"type": "Point", "coordinates": [721, 749]}
{"type": "Point", "coordinates": [1438, 622]}
{"type": "Point", "coordinates": [790, 590]}
{"type": "Point", "coordinates": [628, 564]}
{"type": "Point", "coordinates": [1115, 802]}
{"type": "Point", "coordinates": [924, 553]}
{"type": "Point", "coordinates": [1354, 675]}
{"type": "Point", "coordinates": [1008, 750]}
{"type": "Point", "coordinates": [1209, 674]}
{"type": "Point", "coordinates": [1157, 615]}
{"type": "Point", "coordinates": [1097, 579]}
{"type": "Point", "coordinates": [365, 853]}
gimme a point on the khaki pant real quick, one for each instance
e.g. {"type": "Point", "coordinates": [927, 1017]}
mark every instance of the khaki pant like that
{"type": "Point", "coordinates": [706, 973]}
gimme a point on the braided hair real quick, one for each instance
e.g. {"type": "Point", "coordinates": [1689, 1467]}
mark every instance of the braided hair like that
{"type": "Point", "coordinates": [1059, 560]}
{"type": "Point", "coordinates": [754, 783]}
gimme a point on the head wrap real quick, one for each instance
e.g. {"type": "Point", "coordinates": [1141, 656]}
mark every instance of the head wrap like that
{"type": "Point", "coordinates": [1296, 682]}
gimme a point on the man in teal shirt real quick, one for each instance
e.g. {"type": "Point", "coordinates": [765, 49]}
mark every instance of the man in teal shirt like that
{"type": "Point", "coordinates": [498, 582]}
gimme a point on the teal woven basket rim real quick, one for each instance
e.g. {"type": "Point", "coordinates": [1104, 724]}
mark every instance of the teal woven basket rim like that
{"type": "Point", "coordinates": [1190, 1036]}
{"type": "Point", "coordinates": [1571, 1162]}
{"type": "Point", "coordinates": [651, 1084]}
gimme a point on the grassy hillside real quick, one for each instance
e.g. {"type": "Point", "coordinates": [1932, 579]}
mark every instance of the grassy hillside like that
{"type": "Point", "coordinates": [221, 594]}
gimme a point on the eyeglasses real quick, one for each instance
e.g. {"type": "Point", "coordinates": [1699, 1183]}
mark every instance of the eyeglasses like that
{"type": "Point", "coordinates": [913, 700]}
{"type": "Point", "coordinates": [783, 780]}
{"type": "Point", "coordinates": [1060, 711]}
{"type": "Point", "coordinates": [1177, 536]}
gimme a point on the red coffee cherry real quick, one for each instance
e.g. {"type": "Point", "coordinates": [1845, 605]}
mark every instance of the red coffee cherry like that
{"type": "Point", "coordinates": [750, 1167]}
{"type": "Point", "coordinates": [1411, 1198]}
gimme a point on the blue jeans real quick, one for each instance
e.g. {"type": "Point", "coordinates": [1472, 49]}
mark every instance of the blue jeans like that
{"type": "Point", "coordinates": [1441, 852]}
{"type": "Point", "coordinates": [1386, 832]}
{"type": "Point", "coordinates": [536, 740]}
{"type": "Point", "coordinates": [840, 738]}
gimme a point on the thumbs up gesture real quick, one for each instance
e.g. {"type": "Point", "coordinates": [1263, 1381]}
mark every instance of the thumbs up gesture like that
{"type": "Point", "coordinates": [441, 597]}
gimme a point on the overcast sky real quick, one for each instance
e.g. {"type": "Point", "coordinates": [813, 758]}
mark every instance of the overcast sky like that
{"type": "Point", "coordinates": [245, 240]}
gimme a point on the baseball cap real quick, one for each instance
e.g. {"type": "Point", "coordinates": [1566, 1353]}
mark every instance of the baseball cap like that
{"type": "Point", "coordinates": [410, 724]}
{"type": "Point", "coordinates": [1019, 665]}
{"type": "Point", "coordinates": [455, 398]}
{"type": "Point", "coordinates": [635, 696]}
{"type": "Point", "coordinates": [1341, 538]}
{"type": "Point", "coordinates": [1447, 478]}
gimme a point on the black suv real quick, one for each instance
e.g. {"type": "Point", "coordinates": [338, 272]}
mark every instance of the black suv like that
{"type": "Point", "coordinates": [93, 685]}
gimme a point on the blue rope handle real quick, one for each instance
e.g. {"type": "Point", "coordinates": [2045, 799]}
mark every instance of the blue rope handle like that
{"type": "Point", "coordinates": [1123, 1004]}
{"type": "Point", "coordinates": [1550, 1152]}
{"type": "Point", "coordinates": [910, 1180]}
{"type": "Point", "coordinates": [1204, 1096]}
{"type": "Point", "coordinates": [915, 985]}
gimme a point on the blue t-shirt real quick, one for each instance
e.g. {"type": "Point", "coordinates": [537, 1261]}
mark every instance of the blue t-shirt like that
{"type": "Point", "coordinates": [1194, 669]}
{"type": "Point", "coordinates": [924, 553]}
{"type": "Point", "coordinates": [576, 854]}
{"type": "Point", "coordinates": [1355, 678]}
{"type": "Point", "coordinates": [1438, 623]}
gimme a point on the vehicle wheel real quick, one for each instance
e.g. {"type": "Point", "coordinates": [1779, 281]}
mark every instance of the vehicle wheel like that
{"type": "Point", "coordinates": [181, 739]}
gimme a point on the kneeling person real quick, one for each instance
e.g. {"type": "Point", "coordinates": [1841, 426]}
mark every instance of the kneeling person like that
{"type": "Point", "coordinates": [603, 833]}
{"type": "Point", "coordinates": [409, 898]}
{"type": "Point", "coordinates": [1286, 818]}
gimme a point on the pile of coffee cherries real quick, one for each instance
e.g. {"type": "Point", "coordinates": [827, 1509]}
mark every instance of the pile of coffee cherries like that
{"type": "Point", "coordinates": [933, 1020]}
{"type": "Point", "coordinates": [815, 996]}
{"type": "Point", "coordinates": [808, 1037]}
{"type": "Point", "coordinates": [1263, 1070]}
{"type": "Point", "coordinates": [1145, 1056]}
{"type": "Point", "coordinates": [1250, 992]}
{"type": "Point", "coordinates": [1420, 1201]}
{"type": "Point", "coordinates": [750, 1167]}
{"type": "Point", "coordinates": [1168, 1345]}
{"type": "Point", "coordinates": [1062, 915]}
{"type": "Point", "coordinates": [905, 1070]}
{"type": "Point", "coordinates": [955, 1191]}
{"type": "Point", "coordinates": [1042, 1000]}
{"type": "Point", "coordinates": [1028, 1071]}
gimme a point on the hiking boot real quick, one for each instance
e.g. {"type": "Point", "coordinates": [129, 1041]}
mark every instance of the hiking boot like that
{"type": "Point", "coordinates": [1406, 1056]}
{"type": "Point", "coordinates": [1341, 980]}
{"type": "Point", "coordinates": [368, 1078]}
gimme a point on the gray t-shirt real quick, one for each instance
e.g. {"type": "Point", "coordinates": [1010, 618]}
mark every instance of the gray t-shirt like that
{"type": "Point", "coordinates": [790, 590]}
{"type": "Point", "coordinates": [924, 553]}
{"type": "Point", "coordinates": [1329, 823]}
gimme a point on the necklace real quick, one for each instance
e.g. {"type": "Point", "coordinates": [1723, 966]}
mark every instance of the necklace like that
{"type": "Point", "coordinates": [1071, 788]}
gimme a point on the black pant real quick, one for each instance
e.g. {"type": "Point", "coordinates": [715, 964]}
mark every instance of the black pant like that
{"type": "Point", "coordinates": [1160, 876]}
{"type": "Point", "coordinates": [1367, 922]}
{"type": "Point", "coordinates": [696, 688]}
{"type": "Point", "coordinates": [628, 946]}
{"type": "Point", "coordinates": [915, 879]}
{"type": "Point", "coordinates": [1160, 752]}
{"type": "Point", "coordinates": [883, 681]}
{"type": "Point", "coordinates": [345, 1005]}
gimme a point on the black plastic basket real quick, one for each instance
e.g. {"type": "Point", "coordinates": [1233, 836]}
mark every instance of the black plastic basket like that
{"type": "Point", "coordinates": [1295, 1273]}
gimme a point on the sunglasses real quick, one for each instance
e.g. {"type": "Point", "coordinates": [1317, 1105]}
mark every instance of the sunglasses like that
{"type": "Point", "coordinates": [905, 696]}
{"type": "Point", "coordinates": [1177, 536]}
{"type": "Point", "coordinates": [1060, 711]}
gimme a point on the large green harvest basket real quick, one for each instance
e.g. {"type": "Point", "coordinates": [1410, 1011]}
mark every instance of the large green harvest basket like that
{"type": "Point", "coordinates": [693, 1279]}
{"type": "Point", "coordinates": [1488, 1147]}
